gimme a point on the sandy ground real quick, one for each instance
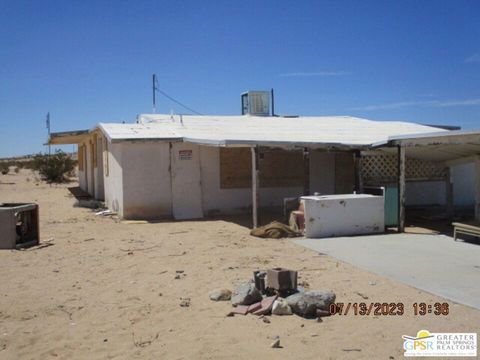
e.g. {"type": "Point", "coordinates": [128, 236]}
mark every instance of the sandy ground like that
{"type": "Point", "coordinates": [106, 289]}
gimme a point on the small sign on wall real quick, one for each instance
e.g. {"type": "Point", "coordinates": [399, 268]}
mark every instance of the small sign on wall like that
{"type": "Point", "coordinates": [185, 154]}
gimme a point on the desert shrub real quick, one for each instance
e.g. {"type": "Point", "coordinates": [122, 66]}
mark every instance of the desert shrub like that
{"type": "Point", "coordinates": [26, 164]}
{"type": "Point", "coordinates": [54, 168]}
{"type": "Point", "coordinates": [4, 168]}
{"type": "Point", "coordinates": [16, 169]}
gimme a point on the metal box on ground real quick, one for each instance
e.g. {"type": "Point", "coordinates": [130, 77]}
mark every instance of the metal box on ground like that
{"type": "Point", "coordinates": [343, 215]}
{"type": "Point", "coordinates": [19, 225]}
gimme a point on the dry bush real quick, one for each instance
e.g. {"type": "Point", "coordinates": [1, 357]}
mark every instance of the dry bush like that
{"type": "Point", "coordinates": [4, 168]}
{"type": "Point", "coordinates": [56, 168]}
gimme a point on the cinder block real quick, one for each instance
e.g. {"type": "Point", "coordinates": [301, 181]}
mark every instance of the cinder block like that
{"type": "Point", "coordinates": [281, 279]}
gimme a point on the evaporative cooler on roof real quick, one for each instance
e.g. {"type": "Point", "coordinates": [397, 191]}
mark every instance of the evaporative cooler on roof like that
{"type": "Point", "coordinates": [256, 103]}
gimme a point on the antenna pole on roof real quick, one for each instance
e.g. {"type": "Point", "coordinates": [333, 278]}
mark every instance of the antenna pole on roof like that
{"type": "Point", "coordinates": [154, 89]}
{"type": "Point", "coordinates": [273, 102]}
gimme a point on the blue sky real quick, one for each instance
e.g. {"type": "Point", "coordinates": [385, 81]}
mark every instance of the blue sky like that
{"type": "Point", "coordinates": [91, 61]}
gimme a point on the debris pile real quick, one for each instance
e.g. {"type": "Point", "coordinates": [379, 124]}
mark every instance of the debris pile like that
{"type": "Point", "coordinates": [275, 292]}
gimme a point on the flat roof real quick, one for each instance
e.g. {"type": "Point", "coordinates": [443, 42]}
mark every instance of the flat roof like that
{"type": "Point", "coordinates": [319, 131]}
{"type": "Point", "coordinates": [328, 132]}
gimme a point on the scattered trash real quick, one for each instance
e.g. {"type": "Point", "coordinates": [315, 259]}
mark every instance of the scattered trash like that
{"type": "Point", "coordinates": [363, 296]}
{"type": "Point", "coordinates": [275, 230]}
{"type": "Point", "coordinates": [220, 295]}
{"type": "Point", "coordinates": [276, 343]}
{"type": "Point", "coordinates": [275, 292]}
{"type": "Point", "coordinates": [105, 213]}
{"type": "Point", "coordinates": [372, 283]}
{"type": "Point", "coordinates": [323, 313]}
{"type": "Point", "coordinates": [136, 222]}
{"type": "Point", "coordinates": [179, 274]}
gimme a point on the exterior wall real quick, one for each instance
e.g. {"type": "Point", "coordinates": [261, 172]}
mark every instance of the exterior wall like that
{"type": "Point", "coordinates": [229, 201]}
{"type": "Point", "coordinates": [99, 186]}
{"type": "Point", "coordinates": [434, 192]}
{"type": "Point", "coordinates": [463, 177]}
{"type": "Point", "coordinates": [113, 177]}
{"type": "Point", "coordinates": [88, 168]}
{"type": "Point", "coordinates": [425, 193]}
{"type": "Point", "coordinates": [82, 175]}
{"type": "Point", "coordinates": [147, 191]}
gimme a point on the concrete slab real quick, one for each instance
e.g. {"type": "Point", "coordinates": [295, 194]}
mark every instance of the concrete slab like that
{"type": "Point", "coordinates": [434, 263]}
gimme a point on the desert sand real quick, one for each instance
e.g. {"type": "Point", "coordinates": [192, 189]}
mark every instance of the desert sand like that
{"type": "Point", "coordinates": [106, 289]}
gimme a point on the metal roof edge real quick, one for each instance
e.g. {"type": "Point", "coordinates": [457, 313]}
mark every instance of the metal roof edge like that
{"type": "Point", "coordinates": [441, 133]}
{"type": "Point", "coordinates": [148, 139]}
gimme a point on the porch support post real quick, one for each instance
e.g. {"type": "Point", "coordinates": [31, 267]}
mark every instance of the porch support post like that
{"type": "Point", "coordinates": [306, 171]}
{"type": "Point", "coordinates": [449, 194]}
{"type": "Point", "coordinates": [401, 188]}
{"type": "Point", "coordinates": [477, 188]}
{"type": "Point", "coordinates": [255, 186]}
{"type": "Point", "coordinates": [358, 172]}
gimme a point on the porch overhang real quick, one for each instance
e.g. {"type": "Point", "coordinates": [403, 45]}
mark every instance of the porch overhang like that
{"type": "Point", "coordinates": [68, 137]}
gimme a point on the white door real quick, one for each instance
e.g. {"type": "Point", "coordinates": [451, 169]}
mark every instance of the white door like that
{"type": "Point", "coordinates": [186, 186]}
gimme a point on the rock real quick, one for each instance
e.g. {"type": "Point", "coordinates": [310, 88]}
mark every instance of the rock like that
{"type": "Point", "coordinates": [306, 303]}
{"type": "Point", "coordinates": [276, 343]}
{"type": "Point", "coordinates": [220, 295]}
{"type": "Point", "coordinates": [246, 294]}
{"type": "Point", "coordinates": [281, 307]}
{"type": "Point", "coordinates": [184, 302]}
{"type": "Point", "coordinates": [266, 320]}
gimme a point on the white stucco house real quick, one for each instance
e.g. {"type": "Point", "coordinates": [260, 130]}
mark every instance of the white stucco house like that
{"type": "Point", "coordinates": [189, 167]}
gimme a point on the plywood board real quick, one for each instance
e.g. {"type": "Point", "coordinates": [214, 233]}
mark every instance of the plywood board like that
{"type": "Point", "coordinates": [278, 168]}
{"type": "Point", "coordinates": [344, 173]}
{"type": "Point", "coordinates": [235, 168]}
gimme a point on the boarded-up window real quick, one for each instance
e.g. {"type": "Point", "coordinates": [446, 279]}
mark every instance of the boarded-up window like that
{"type": "Point", "coordinates": [80, 157]}
{"type": "Point", "coordinates": [105, 156]}
{"type": "Point", "coordinates": [278, 168]}
{"type": "Point", "coordinates": [235, 168]}
{"type": "Point", "coordinates": [282, 168]}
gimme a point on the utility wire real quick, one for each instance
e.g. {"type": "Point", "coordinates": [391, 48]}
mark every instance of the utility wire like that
{"type": "Point", "coordinates": [176, 101]}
